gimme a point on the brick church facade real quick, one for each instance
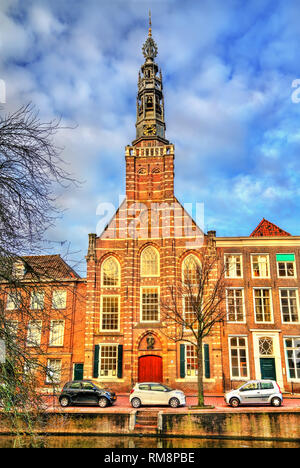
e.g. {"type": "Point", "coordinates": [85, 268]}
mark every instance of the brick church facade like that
{"type": "Point", "coordinates": [116, 336]}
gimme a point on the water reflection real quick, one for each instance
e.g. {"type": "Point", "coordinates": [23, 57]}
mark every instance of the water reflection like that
{"type": "Point", "coordinates": [146, 442]}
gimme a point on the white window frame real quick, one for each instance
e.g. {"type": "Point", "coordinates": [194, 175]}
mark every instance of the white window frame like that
{"type": "Point", "coordinates": [294, 265]}
{"type": "Point", "coordinates": [289, 379]}
{"type": "Point", "coordinates": [193, 378]}
{"type": "Point", "coordinates": [247, 358]}
{"type": "Point", "coordinates": [110, 257]}
{"type": "Point", "coordinates": [243, 305]}
{"type": "Point", "coordinates": [108, 377]}
{"type": "Point", "coordinates": [33, 301]}
{"type": "Point", "coordinates": [64, 303]}
{"type": "Point", "coordinates": [101, 313]}
{"type": "Point", "coordinates": [183, 310]}
{"type": "Point", "coordinates": [235, 276]}
{"type": "Point", "coordinates": [144, 275]}
{"type": "Point", "coordinates": [268, 265]}
{"type": "Point", "coordinates": [61, 336]}
{"type": "Point", "coordinates": [297, 302]}
{"type": "Point", "coordinates": [271, 305]}
{"type": "Point", "coordinates": [48, 379]}
{"type": "Point", "coordinates": [14, 302]}
{"type": "Point", "coordinates": [183, 263]}
{"type": "Point", "coordinates": [141, 304]}
{"type": "Point", "coordinates": [30, 343]}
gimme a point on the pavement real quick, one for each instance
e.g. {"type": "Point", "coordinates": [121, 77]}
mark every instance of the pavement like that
{"type": "Point", "coordinates": [122, 405]}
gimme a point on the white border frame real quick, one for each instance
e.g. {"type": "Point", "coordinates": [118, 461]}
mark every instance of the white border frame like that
{"type": "Point", "coordinates": [101, 313]}
{"type": "Point", "coordinates": [244, 306]}
{"type": "Point", "coordinates": [242, 265]}
{"type": "Point", "coordinates": [294, 263]}
{"type": "Point", "coordinates": [251, 261]}
{"type": "Point", "coordinates": [141, 303]}
{"type": "Point", "coordinates": [271, 304]}
{"type": "Point", "coordinates": [282, 288]}
{"type": "Point", "coordinates": [288, 378]}
{"type": "Point", "coordinates": [244, 379]}
{"type": "Point", "coordinates": [104, 286]}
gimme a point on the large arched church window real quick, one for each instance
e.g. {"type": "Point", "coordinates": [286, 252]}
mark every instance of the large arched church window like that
{"type": "Point", "coordinates": [150, 262]}
{"type": "Point", "coordinates": [110, 272]}
{"type": "Point", "coordinates": [190, 269]}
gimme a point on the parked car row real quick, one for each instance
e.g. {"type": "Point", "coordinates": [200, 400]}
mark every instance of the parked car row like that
{"type": "Point", "coordinates": [86, 392]}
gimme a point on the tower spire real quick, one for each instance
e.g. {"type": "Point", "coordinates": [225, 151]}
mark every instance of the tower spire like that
{"type": "Point", "coordinates": [150, 121]}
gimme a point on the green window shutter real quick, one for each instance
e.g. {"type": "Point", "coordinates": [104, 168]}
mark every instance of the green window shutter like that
{"type": "Point", "coordinates": [96, 362]}
{"type": "Point", "coordinates": [78, 371]}
{"type": "Point", "coordinates": [206, 362]}
{"type": "Point", "coordinates": [120, 361]}
{"type": "Point", "coordinates": [182, 361]}
{"type": "Point", "coordinates": [285, 257]}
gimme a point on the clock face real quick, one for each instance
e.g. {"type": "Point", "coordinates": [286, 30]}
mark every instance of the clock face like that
{"type": "Point", "coordinates": [149, 130]}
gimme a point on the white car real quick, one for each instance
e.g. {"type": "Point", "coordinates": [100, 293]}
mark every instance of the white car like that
{"type": "Point", "coordinates": [255, 392]}
{"type": "Point", "coordinates": [153, 393]}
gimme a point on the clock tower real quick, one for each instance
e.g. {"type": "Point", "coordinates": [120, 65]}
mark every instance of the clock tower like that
{"type": "Point", "coordinates": [150, 119]}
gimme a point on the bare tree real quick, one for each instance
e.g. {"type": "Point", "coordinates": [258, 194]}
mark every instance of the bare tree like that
{"type": "Point", "coordinates": [195, 305]}
{"type": "Point", "coordinates": [31, 170]}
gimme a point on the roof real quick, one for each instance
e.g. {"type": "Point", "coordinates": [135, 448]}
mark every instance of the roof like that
{"type": "Point", "coordinates": [47, 267]}
{"type": "Point", "coordinates": [268, 229]}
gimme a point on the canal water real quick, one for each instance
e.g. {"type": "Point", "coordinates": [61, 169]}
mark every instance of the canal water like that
{"type": "Point", "coordinates": [144, 442]}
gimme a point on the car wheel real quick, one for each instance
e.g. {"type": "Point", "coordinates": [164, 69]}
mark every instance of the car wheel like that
{"type": "Point", "coordinates": [136, 402]}
{"type": "Point", "coordinates": [174, 402]}
{"type": "Point", "coordinates": [276, 401]}
{"type": "Point", "coordinates": [234, 402]}
{"type": "Point", "coordinates": [64, 402]}
{"type": "Point", "coordinates": [102, 402]}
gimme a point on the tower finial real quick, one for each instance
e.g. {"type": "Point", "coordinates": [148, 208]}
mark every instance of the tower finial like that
{"type": "Point", "coordinates": [150, 24]}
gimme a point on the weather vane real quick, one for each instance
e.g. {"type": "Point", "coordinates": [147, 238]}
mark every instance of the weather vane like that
{"type": "Point", "coordinates": [150, 24]}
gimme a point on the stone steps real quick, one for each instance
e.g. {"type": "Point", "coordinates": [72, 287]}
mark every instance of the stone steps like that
{"type": "Point", "coordinates": [146, 420]}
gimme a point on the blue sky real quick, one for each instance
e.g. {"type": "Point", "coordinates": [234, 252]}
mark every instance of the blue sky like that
{"type": "Point", "coordinates": [228, 68]}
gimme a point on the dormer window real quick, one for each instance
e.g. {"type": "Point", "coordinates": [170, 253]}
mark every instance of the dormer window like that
{"type": "Point", "coordinates": [19, 269]}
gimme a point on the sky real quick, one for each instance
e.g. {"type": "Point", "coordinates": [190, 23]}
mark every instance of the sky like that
{"type": "Point", "coordinates": [228, 67]}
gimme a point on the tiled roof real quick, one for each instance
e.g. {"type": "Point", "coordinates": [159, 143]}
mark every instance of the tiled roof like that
{"type": "Point", "coordinates": [47, 267]}
{"type": "Point", "coordinates": [266, 228]}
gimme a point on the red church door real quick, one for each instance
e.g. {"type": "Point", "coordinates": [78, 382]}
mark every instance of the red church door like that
{"type": "Point", "coordinates": [150, 369]}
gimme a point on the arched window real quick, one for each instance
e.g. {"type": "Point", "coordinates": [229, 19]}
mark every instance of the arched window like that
{"type": "Point", "coordinates": [190, 272]}
{"type": "Point", "coordinates": [110, 272]}
{"type": "Point", "coordinates": [150, 262]}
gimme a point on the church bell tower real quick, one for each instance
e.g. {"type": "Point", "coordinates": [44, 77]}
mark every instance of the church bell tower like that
{"type": "Point", "coordinates": [150, 158]}
{"type": "Point", "coordinates": [150, 119]}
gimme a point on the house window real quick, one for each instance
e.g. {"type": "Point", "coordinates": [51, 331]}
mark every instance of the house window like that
{"type": "Point", "coordinates": [263, 306]}
{"type": "Point", "coordinates": [110, 313]}
{"type": "Point", "coordinates": [57, 329]}
{"type": "Point", "coordinates": [34, 333]}
{"type": "Point", "coordinates": [260, 266]}
{"type": "Point", "coordinates": [190, 316]}
{"type": "Point", "coordinates": [286, 267]}
{"type": "Point", "coordinates": [191, 361]}
{"type": "Point", "coordinates": [59, 299]}
{"type": "Point", "coordinates": [292, 349]}
{"type": "Point", "coordinates": [238, 357]}
{"type": "Point", "coordinates": [13, 300]}
{"type": "Point", "coordinates": [111, 273]}
{"type": "Point", "coordinates": [233, 266]}
{"type": "Point", "coordinates": [289, 305]}
{"type": "Point", "coordinates": [235, 305]}
{"type": "Point", "coordinates": [149, 262]}
{"type": "Point", "coordinates": [12, 327]}
{"type": "Point", "coordinates": [37, 300]}
{"type": "Point", "coordinates": [108, 360]}
{"type": "Point", "coordinates": [53, 373]}
{"type": "Point", "coordinates": [265, 345]}
{"type": "Point", "coordinates": [150, 305]}
{"type": "Point", "coordinates": [190, 270]}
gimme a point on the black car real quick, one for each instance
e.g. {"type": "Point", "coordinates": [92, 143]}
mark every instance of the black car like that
{"type": "Point", "coordinates": [85, 392]}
